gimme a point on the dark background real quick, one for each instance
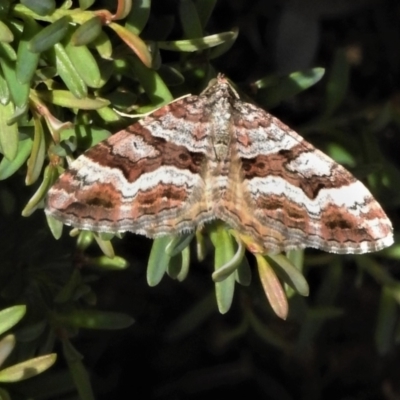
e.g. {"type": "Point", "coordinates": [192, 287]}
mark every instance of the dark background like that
{"type": "Point", "coordinates": [341, 341]}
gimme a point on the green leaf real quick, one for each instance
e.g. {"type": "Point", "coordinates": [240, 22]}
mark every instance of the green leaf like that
{"type": "Point", "coordinates": [32, 331]}
{"type": "Point", "coordinates": [158, 261]}
{"type": "Point", "coordinates": [27, 369]}
{"type": "Point", "coordinates": [179, 243]}
{"type": "Point", "coordinates": [341, 155]}
{"type": "Point", "coordinates": [88, 136]}
{"type": "Point", "coordinates": [95, 319]}
{"type": "Point", "coordinates": [275, 90]}
{"type": "Point", "coordinates": [6, 35]}
{"type": "Point", "coordinates": [46, 73]}
{"type": "Point", "coordinates": [178, 267]}
{"type": "Point", "coordinates": [224, 252]}
{"type": "Point", "coordinates": [50, 35]}
{"type": "Point", "coordinates": [338, 82]}
{"type": "Point", "coordinates": [190, 19]}
{"type": "Point", "coordinates": [66, 143]}
{"type": "Point", "coordinates": [78, 372]}
{"type": "Point", "coordinates": [27, 60]}
{"type": "Point", "coordinates": [204, 10]}
{"type": "Point", "coordinates": [231, 266]}
{"type": "Point", "coordinates": [105, 235]}
{"type": "Point", "coordinates": [153, 85]}
{"type": "Point", "coordinates": [217, 51]}
{"type": "Point", "coordinates": [41, 7]}
{"type": "Point", "coordinates": [7, 167]}
{"type": "Point", "coordinates": [85, 4]}
{"type": "Point", "coordinates": [107, 263]}
{"type": "Point", "coordinates": [5, 95]}
{"type": "Point", "coordinates": [34, 202]}
{"type": "Point", "coordinates": [87, 32]}
{"type": "Point", "coordinates": [108, 114]}
{"type": "Point", "coordinates": [138, 16]}
{"type": "Point", "coordinates": [190, 45]}
{"type": "Point", "coordinates": [174, 266]}
{"type": "Point", "coordinates": [387, 318]}
{"type": "Point", "coordinates": [7, 345]}
{"type": "Point", "coordinates": [85, 239]}
{"type": "Point", "coordinates": [103, 46]}
{"type": "Point", "coordinates": [134, 42]}
{"type": "Point", "coordinates": [19, 92]}
{"type": "Point", "coordinates": [296, 257]}
{"type": "Point", "coordinates": [185, 264]}
{"type": "Point", "coordinates": [66, 292]}
{"type": "Point", "coordinates": [243, 272]}
{"type": "Point", "coordinates": [36, 159]}
{"type": "Point", "coordinates": [170, 75]}
{"type": "Point", "coordinates": [80, 292]}
{"type": "Point", "coordinates": [201, 249]}
{"type": "Point", "coordinates": [85, 64]}
{"type": "Point", "coordinates": [9, 137]}
{"type": "Point", "coordinates": [68, 73]}
{"type": "Point", "coordinates": [290, 274]}
{"type": "Point", "coordinates": [10, 317]}
{"type": "Point", "coordinates": [18, 113]}
{"type": "Point", "coordinates": [272, 287]}
{"type": "Point", "coordinates": [56, 226]}
{"type": "Point", "coordinates": [4, 395]}
{"type": "Point", "coordinates": [382, 276]}
{"type": "Point", "coordinates": [8, 52]}
{"type": "Point", "coordinates": [105, 245]}
{"type": "Point", "coordinates": [393, 251]}
{"type": "Point", "coordinates": [65, 98]}
{"type": "Point", "coordinates": [56, 127]}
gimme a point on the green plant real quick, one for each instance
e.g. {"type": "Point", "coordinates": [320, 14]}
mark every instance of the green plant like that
{"type": "Point", "coordinates": [9, 317]}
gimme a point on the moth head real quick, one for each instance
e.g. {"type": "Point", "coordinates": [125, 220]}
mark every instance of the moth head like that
{"type": "Point", "coordinates": [220, 87]}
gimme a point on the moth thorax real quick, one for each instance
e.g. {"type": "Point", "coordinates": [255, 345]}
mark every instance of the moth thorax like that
{"type": "Point", "coordinates": [221, 128]}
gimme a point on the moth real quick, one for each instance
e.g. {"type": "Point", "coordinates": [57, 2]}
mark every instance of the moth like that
{"type": "Point", "coordinates": [215, 157]}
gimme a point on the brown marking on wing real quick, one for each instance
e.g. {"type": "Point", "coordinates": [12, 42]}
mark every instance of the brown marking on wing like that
{"type": "Point", "coordinates": [276, 165]}
{"type": "Point", "coordinates": [132, 166]}
{"type": "Point", "coordinates": [188, 112]}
